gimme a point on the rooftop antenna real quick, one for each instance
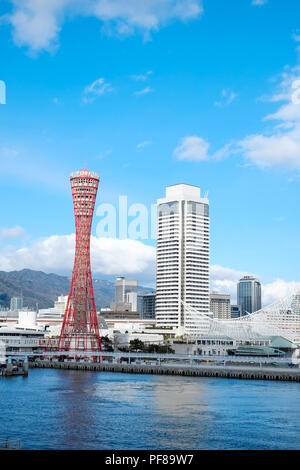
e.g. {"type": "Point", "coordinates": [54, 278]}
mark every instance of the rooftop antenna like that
{"type": "Point", "coordinates": [206, 194]}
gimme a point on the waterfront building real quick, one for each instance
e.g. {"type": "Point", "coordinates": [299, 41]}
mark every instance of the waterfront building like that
{"type": "Point", "coordinates": [249, 294]}
{"type": "Point", "coordinates": [16, 303]}
{"type": "Point", "coordinates": [220, 305]}
{"type": "Point", "coordinates": [23, 336]}
{"type": "Point", "coordinates": [182, 269]}
{"type": "Point", "coordinates": [236, 311]}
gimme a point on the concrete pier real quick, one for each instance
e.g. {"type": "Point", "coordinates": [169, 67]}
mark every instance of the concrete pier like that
{"type": "Point", "coordinates": [233, 372]}
{"type": "Point", "coordinates": [9, 368]}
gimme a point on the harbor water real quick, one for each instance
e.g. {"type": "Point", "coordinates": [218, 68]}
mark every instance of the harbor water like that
{"type": "Point", "coordinates": [65, 409]}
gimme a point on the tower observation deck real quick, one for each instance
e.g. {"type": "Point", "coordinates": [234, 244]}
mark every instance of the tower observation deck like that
{"type": "Point", "coordinates": [80, 331]}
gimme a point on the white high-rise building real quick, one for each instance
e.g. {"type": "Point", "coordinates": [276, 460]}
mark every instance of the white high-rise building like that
{"type": "Point", "coordinates": [182, 270]}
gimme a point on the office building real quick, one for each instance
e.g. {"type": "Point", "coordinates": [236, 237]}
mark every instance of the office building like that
{"type": "Point", "coordinates": [249, 294]}
{"type": "Point", "coordinates": [236, 311]}
{"type": "Point", "coordinates": [16, 303]}
{"type": "Point", "coordinates": [146, 305]}
{"type": "Point", "coordinates": [125, 296]}
{"type": "Point", "coordinates": [220, 305]}
{"type": "Point", "coordinates": [182, 270]}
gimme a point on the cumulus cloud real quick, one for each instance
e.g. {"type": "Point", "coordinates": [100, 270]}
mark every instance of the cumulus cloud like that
{"type": "Point", "coordinates": [281, 146]}
{"type": "Point", "coordinates": [14, 232]}
{"type": "Point", "coordinates": [108, 256]}
{"type": "Point", "coordinates": [194, 148]}
{"type": "Point", "coordinates": [224, 280]}
{"type": "Point", "coordinates": [37, 23]}
{"type": "Point", "coordinates": [114, 257]}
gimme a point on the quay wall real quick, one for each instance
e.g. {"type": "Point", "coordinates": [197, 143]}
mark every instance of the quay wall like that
{"type": "Point", "coordinates": [234, 372]}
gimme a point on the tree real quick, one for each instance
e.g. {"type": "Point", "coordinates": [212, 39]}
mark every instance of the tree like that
{"type": "Point", "coordinates": [136, 344]}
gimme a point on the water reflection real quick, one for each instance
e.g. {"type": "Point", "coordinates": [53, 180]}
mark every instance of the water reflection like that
{"type": "Point", "coordinates": [74, 412]}
{"type": "Point", "coordinates": [177, 397]}
{"type": "Point", "coordinates": [57, 409]}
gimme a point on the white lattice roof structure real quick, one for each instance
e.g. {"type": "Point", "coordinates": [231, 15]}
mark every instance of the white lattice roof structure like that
{"type": "Point", "coordinates": [282, 318]}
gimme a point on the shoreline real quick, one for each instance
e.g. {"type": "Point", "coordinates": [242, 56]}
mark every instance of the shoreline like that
{"type": "Point", "coordinates": [234, 372]}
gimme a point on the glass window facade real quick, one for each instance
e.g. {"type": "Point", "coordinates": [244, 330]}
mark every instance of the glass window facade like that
{"type": "Point", "coordinates": [249, 295]}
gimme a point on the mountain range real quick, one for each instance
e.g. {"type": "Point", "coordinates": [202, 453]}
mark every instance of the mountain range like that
{"type": "Point", "coordinates": [37, 287]}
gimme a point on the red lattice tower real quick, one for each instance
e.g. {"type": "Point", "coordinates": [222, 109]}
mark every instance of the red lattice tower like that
{"type": "Point", "coordinates": [80, 331]}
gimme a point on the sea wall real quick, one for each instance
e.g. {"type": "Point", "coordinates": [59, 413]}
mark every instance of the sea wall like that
{"type": "Point", "coordinates": [234, 372]}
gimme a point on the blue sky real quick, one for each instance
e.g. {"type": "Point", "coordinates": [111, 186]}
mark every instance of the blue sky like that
{"type": "Point", "coordinates": [119, 87]}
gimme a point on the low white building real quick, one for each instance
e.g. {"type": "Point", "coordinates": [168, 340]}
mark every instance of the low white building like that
{"type": "Point", "coordinates": [123, 339]}
{"type": "Point", "coordinates": [57, 311]}
{"type": "Point", "coordinates": [23, 336]}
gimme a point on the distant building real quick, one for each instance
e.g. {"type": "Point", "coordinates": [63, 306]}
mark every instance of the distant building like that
{"type": "Point", "coordinates": [182, 268]}
{"type": "Point", "coordinates": [220, 306]}
{"type": "Point", "coordinates": [57, 311]}
{"type": "Point", "coordinates": [295, 304]}
{"type": "Point", "coordinates": [146, 305]}
{"type": "Point", "coordinates": [236, 311]}
{"type": "Point", "coordinates": [16, 303]}
{"type": "Point", "coordinates": [126, 295]}
{"type": "Point", "coordinates": [249, 294]}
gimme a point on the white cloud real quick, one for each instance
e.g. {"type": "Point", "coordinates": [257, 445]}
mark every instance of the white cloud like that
{"type": "Point", "coordinates": [281, 149]}
{"type": "Point", "coordinates": [108, 256]}
{"type": "Point", "coordinates": [143, 144]}
{"type": "Point", "coordinates": [97, 88]}
{"type": "Point", "coordinates": [14, 232]}
{"type": "Point", "coordinates": [142, 77]}
{"type": "Point", "coordinates": [37, 23]}
{"type": "Point", "coordinates": [143, 91]}
{"type": "Point", "coordinates": [227, 97]}
{"type": "Point", "coordinates": [224, 280]}
{"type": "Point", "coordinates": [259, 2]}
{"type": "Point", "coordinates": [277, 290]}
{"type": "Point", "coordinates": [281, 145]}
{"type": "Point", "coordinates": [194, 148]}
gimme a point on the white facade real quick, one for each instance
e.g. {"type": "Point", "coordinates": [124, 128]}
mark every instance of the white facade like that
{"type": "Point", "coordinates": [220, 306]}
{"type": "Point", "coordinates": [24, 336]}
{"type": "Point", "coordinates": [58, 310]}
{"type": "Point", "coordinates": [182, 270]}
